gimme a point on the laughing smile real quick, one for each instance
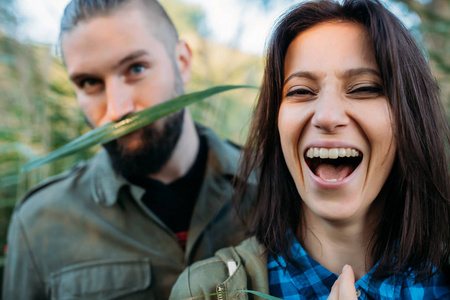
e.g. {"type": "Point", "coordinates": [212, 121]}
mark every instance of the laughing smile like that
{"type": "Point", "coordinates": [333, 164]}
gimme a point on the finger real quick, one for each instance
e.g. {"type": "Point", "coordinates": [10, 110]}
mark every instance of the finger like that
{"type": "Point", "coordinates": [347, 284]}
{"type": "Point", "coordinates": [334, 291]}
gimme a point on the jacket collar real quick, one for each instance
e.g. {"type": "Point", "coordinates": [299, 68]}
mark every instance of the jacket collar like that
{"type": "Point", "coordinates": [224, 160]}
{"type": "Point", "coordinates": [106, 183]}
{"type": "Point", "coordinates": [216, 189]}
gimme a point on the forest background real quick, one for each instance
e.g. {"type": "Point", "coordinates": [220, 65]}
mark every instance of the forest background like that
{"type": "Point", "coordinates": [39, 112]}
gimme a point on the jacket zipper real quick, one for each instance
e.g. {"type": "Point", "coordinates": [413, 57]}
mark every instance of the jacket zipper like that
{"type": "Point", "coordinates": [220, 288]}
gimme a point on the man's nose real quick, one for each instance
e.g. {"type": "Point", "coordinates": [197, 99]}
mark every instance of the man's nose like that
{"type": "Point", "coordinates": [120, 101]}
{"type": "Point", "coordinates": [330, 112]}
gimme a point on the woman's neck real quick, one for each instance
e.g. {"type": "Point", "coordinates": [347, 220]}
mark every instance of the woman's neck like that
{"type": "Point", "coordinates": [335, 244]}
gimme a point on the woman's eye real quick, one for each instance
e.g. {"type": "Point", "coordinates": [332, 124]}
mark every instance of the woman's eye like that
{"type": "Point", "coordinates": [136, 69]}
{"type": "Point", "coordinates": [377, 90]}
{"type": "Point", "coordinates": [299, 92]}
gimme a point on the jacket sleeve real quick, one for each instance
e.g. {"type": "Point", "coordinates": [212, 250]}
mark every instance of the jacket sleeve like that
{"type": "Point", "coordinates": [21, 278]}
{"type": "Point", "coordinates": [200, 279]}
{"type": "Point", "coordinates": [181, 289]}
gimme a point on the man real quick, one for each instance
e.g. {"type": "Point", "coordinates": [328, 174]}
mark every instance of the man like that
{"type": "Point", "coordinates": [124, 225]}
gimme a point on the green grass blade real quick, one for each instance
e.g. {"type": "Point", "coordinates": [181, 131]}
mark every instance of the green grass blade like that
{"type": "Point", "coordinates": [262, 295]}
{"type": "Point", "coordinates": [259, 294]}
{"type": "Point", "coordinates": [113, 131]}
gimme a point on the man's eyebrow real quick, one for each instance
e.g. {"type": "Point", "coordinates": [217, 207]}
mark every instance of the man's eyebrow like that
{"type": "Point", "coordinates": [130, 57]}
{"type": "Point", "coordinates": [76, 76]}
{"type": "Point", "coordinates": [308, 75]}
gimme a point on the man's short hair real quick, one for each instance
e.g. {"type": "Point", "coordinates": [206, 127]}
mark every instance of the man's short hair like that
{"type": "Point", "coordinates": [84, 10]}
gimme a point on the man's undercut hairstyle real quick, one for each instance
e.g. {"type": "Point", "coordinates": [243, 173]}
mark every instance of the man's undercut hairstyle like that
{"type": "Point", "coordinates": [412, 234]}
{"type": "Point", "coordinates": [84, 10]}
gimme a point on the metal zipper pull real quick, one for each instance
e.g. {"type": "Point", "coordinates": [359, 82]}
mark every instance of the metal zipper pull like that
{"type": "Point", "coordinates": [220, 288]}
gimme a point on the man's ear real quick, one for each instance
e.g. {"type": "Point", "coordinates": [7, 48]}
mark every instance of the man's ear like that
{"type": "Point", "coordinates": [183, 58]}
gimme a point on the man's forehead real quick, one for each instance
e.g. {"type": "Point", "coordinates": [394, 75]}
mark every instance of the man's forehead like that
{"type": "Point", "coordinates": [151, 13]}
{"type": "Point", "coordinates": [126, 24]}
{"type": "Point", "coordinates": [127, 11]}
{"type": "Point", "coordinates": [102, 42]}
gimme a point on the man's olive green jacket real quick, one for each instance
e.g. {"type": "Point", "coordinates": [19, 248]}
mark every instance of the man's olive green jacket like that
{"type": "Point", "coordinates": [85, 234]}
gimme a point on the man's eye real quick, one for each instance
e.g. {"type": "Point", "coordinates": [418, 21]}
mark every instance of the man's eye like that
{"type": "Point", "coordinates": [136, 69]}
{"type": "Point", "coordinates": [88, 83]}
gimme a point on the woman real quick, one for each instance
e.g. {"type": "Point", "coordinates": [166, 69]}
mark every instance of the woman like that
{"type": "Point", "coordinates": [349, 139]}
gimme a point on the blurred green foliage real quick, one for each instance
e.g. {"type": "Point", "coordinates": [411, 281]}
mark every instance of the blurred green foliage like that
{"type": "Point", "coordinates": [435, 29]}
{"type": "Point", "coordinates": [213, 65]}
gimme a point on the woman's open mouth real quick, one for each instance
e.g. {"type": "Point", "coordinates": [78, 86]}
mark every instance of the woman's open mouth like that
{"type": "Point", "coordinates": [333, 164]}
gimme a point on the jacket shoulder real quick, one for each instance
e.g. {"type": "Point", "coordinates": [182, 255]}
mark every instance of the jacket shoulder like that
{"type": "Point", "coordinates": [233, 268]}
{"type": "Point", "coordinates": [201, 278]}
{"type": "Point", "coordinates": [53, 181]}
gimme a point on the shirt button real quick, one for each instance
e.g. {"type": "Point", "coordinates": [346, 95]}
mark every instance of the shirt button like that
{"type": "Point", "coordinates": [358, 293]}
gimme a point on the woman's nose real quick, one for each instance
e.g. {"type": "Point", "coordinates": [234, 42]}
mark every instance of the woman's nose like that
{"type": "Point", "coordinates": [330, 112]}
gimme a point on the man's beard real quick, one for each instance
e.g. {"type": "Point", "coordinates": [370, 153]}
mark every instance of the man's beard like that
{"type": "Point", "coordinates": [156, 144]}
{"type": "Point", "coordinates": [155, 149]}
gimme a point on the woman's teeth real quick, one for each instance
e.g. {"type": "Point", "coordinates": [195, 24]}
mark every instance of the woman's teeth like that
{"type": "Point", "coordinates": [331, 153]}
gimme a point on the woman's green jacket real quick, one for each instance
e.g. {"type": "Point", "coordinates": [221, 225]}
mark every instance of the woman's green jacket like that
{"type": "Point", "coordinates": [231, 269]}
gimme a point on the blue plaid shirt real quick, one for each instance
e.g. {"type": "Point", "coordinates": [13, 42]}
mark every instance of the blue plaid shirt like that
{"type": "Point", "coordinates": [313, 281]}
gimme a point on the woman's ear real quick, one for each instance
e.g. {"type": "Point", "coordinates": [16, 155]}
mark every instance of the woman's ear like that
{"type": "Point", "coordinates": [183, 58]}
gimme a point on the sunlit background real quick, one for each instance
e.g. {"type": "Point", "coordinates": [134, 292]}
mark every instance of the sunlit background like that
{"type": "Point", "coordinates": [39, 112]}
{"type": "Point", "coordinates": [237, 23]}
{"type": "Point", "coordinates": [243, 24]}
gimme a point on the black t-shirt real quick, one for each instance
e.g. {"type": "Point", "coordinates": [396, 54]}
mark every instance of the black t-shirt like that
{"type": "Point", "coordinates": [174, 203]}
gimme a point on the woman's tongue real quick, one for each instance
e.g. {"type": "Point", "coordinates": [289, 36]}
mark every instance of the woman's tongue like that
{"type": "Point", "coordinates": [333, 173]}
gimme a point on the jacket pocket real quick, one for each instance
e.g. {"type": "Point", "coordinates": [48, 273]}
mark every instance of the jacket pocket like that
{"type": "Point", "coordinates": [101, 279]}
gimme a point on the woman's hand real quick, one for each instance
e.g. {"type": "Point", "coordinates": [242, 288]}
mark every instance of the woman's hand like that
{"type": "Point", "coordinates": [344, 287]}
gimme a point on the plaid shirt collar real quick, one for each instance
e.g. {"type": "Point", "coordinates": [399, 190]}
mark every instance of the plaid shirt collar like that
{"type": "Point", "coordinates": [313, 281]}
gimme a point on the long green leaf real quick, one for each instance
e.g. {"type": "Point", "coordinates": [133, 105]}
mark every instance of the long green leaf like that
{"type": "Point", "coordinates": [259, 294]}
{"type": "Point", "coordinates": [262, 295]}
{"type": "Point", "coordinates": [113, 131]}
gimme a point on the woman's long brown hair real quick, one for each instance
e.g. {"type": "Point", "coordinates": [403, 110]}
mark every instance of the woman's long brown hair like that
{"type": "Point", "coordinates": [413, 234]}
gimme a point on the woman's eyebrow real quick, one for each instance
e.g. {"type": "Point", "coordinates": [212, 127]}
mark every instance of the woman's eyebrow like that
{"type": "Point", "coordinates": [304, 74]}
{"type": "Point", "coordinates": [346, 73]}
{"type": "Point", "coordinates": [361, 71]}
